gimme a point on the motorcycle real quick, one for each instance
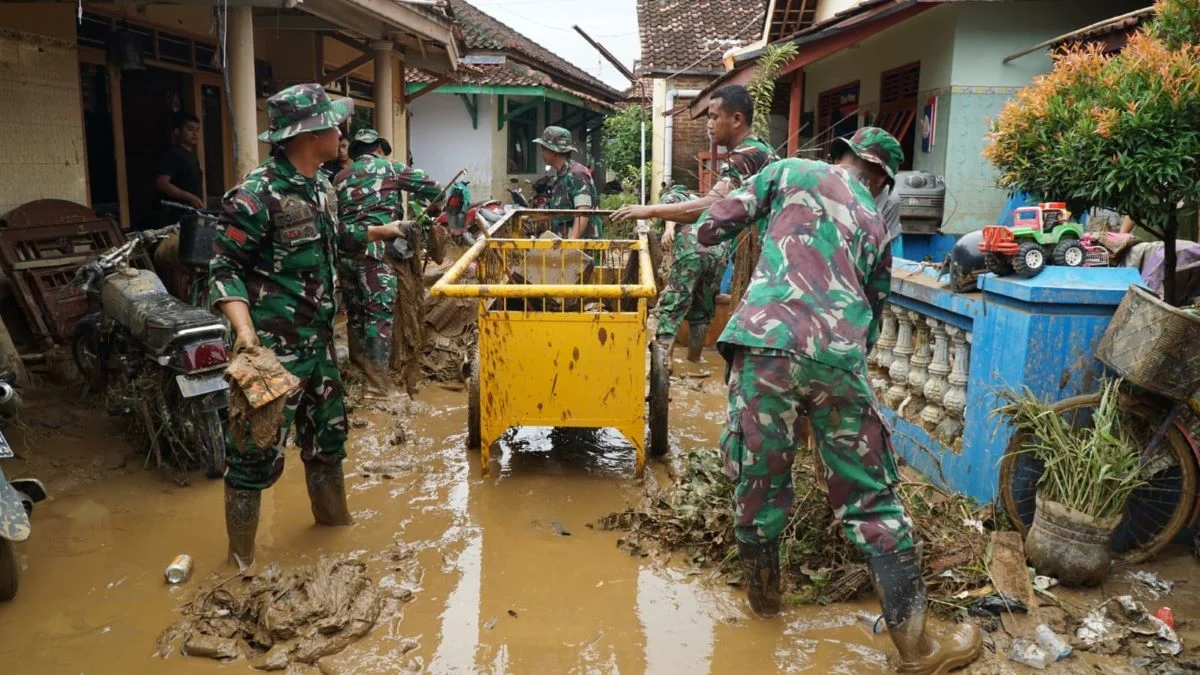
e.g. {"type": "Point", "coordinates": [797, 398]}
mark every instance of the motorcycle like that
{"type": "Point", "coordinates": [161, 359]}
{"type": "Point", "coordinates": [462, 217]}
{"type": "Point", "coordinates": [17, 497]}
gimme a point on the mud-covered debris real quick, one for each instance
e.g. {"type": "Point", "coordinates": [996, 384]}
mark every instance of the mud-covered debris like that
{"type": "Point", "coordinates": [512, 613]}
{"type": "Point", "coordinates": [1120, 620]}
{"type": "Point", "coordinates": [1153, 583]}
{"type": "Point", "coordinates": [559, 529]}
{"type": "Point", "coordinates": [281, 618]}
{"type": "Point", "coordinates": [259, 390]}
{"type": "Point", "coordinates": [819, 562]}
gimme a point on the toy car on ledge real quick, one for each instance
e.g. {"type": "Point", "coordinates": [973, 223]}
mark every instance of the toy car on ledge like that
{"type": "Point", "coordinates": [1037, 233]}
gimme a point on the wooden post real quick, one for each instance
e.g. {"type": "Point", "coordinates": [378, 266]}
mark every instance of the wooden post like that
{"type": "Point", "coordinates": [795, 112]}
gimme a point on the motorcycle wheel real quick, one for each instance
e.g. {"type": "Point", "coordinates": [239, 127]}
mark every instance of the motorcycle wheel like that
{"type": "Point", "coordinates": [10, 573]}
{"type": "Point", "coordinates": [87, 359]}
{"type": "Point", "coordinates": [212, 437]}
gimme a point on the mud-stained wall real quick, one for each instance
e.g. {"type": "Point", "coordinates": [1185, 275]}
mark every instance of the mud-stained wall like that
{"type": "Point", "coordinates": [41, 125]}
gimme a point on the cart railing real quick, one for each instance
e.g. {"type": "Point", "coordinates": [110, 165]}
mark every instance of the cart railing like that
{"type": "Point", "coordinates": [550, 268]}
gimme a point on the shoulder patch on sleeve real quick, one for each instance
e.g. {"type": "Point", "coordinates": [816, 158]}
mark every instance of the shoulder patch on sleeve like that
{"type": "Point", "coordinates": [236, 234]}
{"type": "Point", "coordinates": [243, 202]}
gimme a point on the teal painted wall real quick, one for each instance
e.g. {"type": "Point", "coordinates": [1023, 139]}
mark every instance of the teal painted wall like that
{"type": "Point", "coordinates": [984, 34]}
{"type": "Point", "coordinates": [961, 47]}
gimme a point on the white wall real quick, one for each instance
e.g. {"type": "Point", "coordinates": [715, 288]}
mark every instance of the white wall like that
{"type": "Point", "coordinates": [444, 142]}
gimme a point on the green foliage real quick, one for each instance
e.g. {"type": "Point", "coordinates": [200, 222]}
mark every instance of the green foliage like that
{"type": "Point", "coordinates": [762, 85]}
{"type": "Point", "coordinates": [1093, 469]}
{"type": "Point", "coordinates": [1121, 132]}
{"type": "Point", "coordinates": [614, 202]}
{"type": "Point", "coordinates": [623, 139]}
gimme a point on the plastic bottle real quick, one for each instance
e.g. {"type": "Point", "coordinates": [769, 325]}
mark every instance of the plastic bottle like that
{"type": "Point", "coordinates": [874, 622]}
{"type": "Point", "coordinates": [1056, 648]}
{"type": "Point", "coordinates": [1023, 651]}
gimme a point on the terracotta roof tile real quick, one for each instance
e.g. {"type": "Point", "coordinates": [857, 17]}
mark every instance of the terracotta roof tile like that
{"type": "Point", "coordinates": [692, 35]}
{"type": "Point", "coordinates": [482, 32]}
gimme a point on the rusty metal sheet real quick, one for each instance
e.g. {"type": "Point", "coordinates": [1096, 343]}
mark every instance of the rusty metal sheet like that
{"type": "Point", "coordinates": [42, 243]}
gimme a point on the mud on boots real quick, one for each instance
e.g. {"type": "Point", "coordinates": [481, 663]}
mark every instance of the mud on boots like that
{"type": "Point", "coordinates": [697, 332]}
{"type": "Point", "coordinates": [897, 580]}
{"type": "Point", "coordinates": [241, 524]}
{"type": "Point", "coordinates": [377, 352]}
{"type": "Point", "coordinates": [326, 485]}
{"type": "Point", "coordinates": [760, 566]}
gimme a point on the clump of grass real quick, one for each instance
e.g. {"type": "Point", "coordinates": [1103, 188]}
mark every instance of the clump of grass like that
{"type": "Point", "coordinates": [1092, 469]}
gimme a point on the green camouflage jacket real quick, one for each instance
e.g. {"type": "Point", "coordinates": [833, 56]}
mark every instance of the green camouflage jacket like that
{"type": "Point", "coordinates": [685, 243]}
{"type": "Point", "coordinates": [369, 194]}
{"type": "Point", "coordinates": [573, 189]}
{"type": "Point", "coordinates": [818, 287]}
{"type": "Point", "coordinates": [277, 249]}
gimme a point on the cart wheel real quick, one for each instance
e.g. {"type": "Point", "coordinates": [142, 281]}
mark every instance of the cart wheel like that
{"type": "Point", "coordinates": [473, 440]}
{"type": "Point", "coordinates": [660, 382]}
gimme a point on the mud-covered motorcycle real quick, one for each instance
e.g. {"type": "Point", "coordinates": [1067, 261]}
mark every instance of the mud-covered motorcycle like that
{"type": "Point", "coordinates": [17, 497]}
{"type": "Point", "coordinates": [160, 360]}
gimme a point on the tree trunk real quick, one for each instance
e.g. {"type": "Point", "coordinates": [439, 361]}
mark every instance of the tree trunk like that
{"type": "Point", "coordinates": [1170, 257]}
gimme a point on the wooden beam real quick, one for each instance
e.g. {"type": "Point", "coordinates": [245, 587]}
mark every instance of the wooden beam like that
{"type": "Point", "coordinates": [118, 116]}
{"type": "Point", "coordinates": [295, 22]}
{"type": "Point", "coordinates": [843, 38]}
{"type": "Point", "coordinates": [348, 68]}
{"type": "Point", "coordinates": [795, 111]}
{"type": "Point", "coordinates": [351, 42]}
{"type": "Point", "coordinates": [428, 88]}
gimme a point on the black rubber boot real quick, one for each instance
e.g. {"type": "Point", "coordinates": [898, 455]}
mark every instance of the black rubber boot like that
{"type": "Point", "coordinates": [327, 493]}
{"type": "Point", "coordinates": [901, 592]}
{"type": "Point", "coordinates": [760, 566]}
{"type": "Point", "coordinates": [241, 524]}
{"type": "Point", "coordinates": [376, 352]}
{"type": "Point", "coordinates": [696, 334]}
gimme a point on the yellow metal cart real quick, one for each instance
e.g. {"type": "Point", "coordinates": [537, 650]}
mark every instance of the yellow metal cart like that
{"type": "Point", "coordinates": [562, 334]}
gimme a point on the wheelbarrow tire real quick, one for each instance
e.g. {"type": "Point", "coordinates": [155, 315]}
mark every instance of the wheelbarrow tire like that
{"type": "Point", "coordinates": [473, 424]}
{"type": "Point", "coordinates": [660, 383]}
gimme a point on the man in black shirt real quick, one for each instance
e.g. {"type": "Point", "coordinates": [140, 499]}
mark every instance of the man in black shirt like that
{"type": "Point", "coordinates": [179, 177]}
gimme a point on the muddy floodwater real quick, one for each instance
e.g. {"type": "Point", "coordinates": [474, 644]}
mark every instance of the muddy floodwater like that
{"type": "Point", "coordinates": [511, 579]}
{"type": "Point", "coordinates": [504, 588]}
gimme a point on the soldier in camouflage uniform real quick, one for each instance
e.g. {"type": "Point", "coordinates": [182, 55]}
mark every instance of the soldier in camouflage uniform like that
{"type": "Point", "coordinates": [693, 281]}
{"type": "Point", "coordinates": [797, 344]}
{"type": "Point", "coordinates": [730, 120]}
{"type": "Point", "coordinates": [273, 275]}
{"type": "Point", "coordinates": [369, 195]}
{"type": "Point", "coordinates": [572, 189]}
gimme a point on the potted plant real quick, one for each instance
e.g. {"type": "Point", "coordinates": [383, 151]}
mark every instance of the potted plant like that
{"type": "Point", "coordinates": [1089, 474]}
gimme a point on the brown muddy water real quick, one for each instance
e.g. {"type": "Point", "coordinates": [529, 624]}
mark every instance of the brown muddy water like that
{"type": "Point", "coordinates": [503, 590]}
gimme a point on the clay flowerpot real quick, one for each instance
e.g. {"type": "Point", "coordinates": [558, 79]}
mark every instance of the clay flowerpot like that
{"type": "Point", "coordinates": [1069, 545]}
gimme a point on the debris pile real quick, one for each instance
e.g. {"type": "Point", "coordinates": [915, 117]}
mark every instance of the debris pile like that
{"type": "Point", "coordinates": [819, 562]}
{"type": "Point", "coordinates": [451, 334]}
{"type": "Point", "coordinates": [277, 618]}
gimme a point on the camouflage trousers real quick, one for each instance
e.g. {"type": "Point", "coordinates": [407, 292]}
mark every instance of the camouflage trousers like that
{"type": "Point", "coordinates": [693, 282]}
{"type": "Point", "coordinates": [768, 393]}
{"type": "Point", "coordinates": [370, 289]}
{"type": "Point", "coordinates": [318, 410]}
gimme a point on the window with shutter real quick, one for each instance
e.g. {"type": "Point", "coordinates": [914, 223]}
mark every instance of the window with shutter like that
{"type": "Point", "coordinates": [898, 93]}
{"type": "Point", "coordinates": [837, 115]}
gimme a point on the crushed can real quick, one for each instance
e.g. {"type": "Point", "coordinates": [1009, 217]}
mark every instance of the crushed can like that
{"type": "Point", "coordinates": [1165, 615]}
{"type": "Point", "coordinates": [179, 570]}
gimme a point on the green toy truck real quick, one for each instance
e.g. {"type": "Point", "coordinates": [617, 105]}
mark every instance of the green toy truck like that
{"type": "Point", "coordinates": [1037, 232]}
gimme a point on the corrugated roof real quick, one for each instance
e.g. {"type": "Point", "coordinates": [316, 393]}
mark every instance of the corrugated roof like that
{"type": "Point", "coordinates": [511, 74]}
{"type": "Point", "coordinates": [693, 35]}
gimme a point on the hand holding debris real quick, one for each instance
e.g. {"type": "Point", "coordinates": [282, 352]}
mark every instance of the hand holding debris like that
{"type": "Point", "coordinates": [259, 390]}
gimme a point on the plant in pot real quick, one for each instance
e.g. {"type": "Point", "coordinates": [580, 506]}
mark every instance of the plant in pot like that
{"type": "Point", "coordinates": [1089, 474]}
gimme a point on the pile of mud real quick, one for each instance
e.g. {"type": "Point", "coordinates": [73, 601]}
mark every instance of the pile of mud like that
{"type": "Point", "coordinates": [277, 618]}
{"type": "Point", "coordinates": [451, 334]}
{"type": "Point", "coordinates": [819, 563]}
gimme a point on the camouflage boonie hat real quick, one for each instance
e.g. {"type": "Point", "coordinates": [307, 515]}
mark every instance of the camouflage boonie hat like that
{"type": "Point", "coordinates": [556, 139]}
{"type": "Point", "coordinates": [676, 194]}
{"type": "Point", "coordinates": [303, 108]}
{"type": "Point", "coordinates": [371, 137]}
{"type": "Point", "coordinates": [873, 145]}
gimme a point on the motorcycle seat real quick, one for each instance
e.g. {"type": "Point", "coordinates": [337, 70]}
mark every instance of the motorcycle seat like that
{"type": "Point", "coordinates": [160, 319]}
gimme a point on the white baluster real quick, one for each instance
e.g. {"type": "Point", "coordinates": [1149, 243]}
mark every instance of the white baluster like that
{"type": "Point", "coordinates": [938, 384]}
{"type": "Point", "coordinates": [883, 354]}
{"type": "Point", "coordinates": [900, 366]}
{"type": "Point", "coordinates": [918, 372]}
{"type": "Point", "coordinates": [956, 396]}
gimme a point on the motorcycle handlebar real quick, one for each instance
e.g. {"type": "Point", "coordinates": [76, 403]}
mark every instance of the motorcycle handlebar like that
{"type": "Point", "coordinates": [206, 215]}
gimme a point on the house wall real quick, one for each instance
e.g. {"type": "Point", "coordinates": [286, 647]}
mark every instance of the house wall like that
{"type": "Point", "coordinates": [961, 48]}
{"type": "Point", "coordinates": [42, 149]}
{"type": "Point", "coordinates": [689, 136]}
{"type": "Point", "coordinates": [39, 75]}
{"type": "Point", "coordinates": [985, 33]}
{"type": "Point", "coordinates": [444, 142]}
